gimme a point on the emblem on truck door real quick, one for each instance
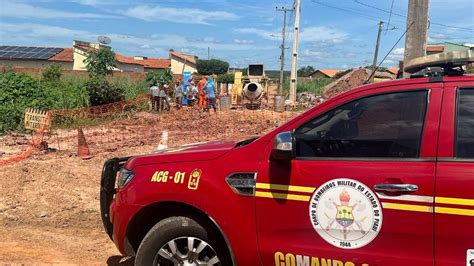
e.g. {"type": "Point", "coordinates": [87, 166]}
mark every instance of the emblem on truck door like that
{"type": "Point", "coordinates": [345, 213]}
{"type": "Point", "coordinates": [194, 179]}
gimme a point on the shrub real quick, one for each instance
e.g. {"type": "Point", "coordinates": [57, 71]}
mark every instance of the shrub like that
{"type": "Point", "coordinates": [102, 91]}
{"type": "Point", "coordinates": [69, 92]}
{"type": "Point", "coordinates": [315, 86]}
{"type": "Point", "coordinates": [18, 91]}
{"type": "Point", "coordinates": [52, 73]}
{"type": "Point", "coordinates": [159, 77]}
{"type": "Point", "coordinates": [213, 66]}
{"type": "Point", "coordinates": [225, 78]}
{"type": "Point", "coordinates": [305, 71]}
{"type": "Point", "coordinates": [131, 87]}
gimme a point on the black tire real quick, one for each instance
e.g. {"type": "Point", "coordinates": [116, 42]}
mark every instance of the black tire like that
{"type": "Point", "coordinates": [172, 228]}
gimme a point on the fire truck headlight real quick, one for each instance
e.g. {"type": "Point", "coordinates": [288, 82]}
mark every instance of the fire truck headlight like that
{"type": "Point", "coordinates": [124, 177]}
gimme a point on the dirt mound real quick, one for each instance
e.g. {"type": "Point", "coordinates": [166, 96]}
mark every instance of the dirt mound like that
{"type": "Point", "coordinates": [349, 81]}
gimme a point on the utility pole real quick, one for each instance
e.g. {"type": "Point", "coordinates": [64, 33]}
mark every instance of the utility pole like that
{"type": "Point", "coordinates": [376, 54]}
{"type": "Point", "coordinates": [208, 53]}
{"type": "Point", "coordinates": [294, 58]}
{"type": "Point", "coordinates": [282, 47]}
{"type": "Point", "coordinates": [417, 20]}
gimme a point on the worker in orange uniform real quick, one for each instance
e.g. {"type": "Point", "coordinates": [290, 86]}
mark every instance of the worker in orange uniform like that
{"type": "Point", "coordinates": [202, 96]}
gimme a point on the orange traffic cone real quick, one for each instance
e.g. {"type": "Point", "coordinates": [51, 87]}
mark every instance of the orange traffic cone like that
{"type": "Point", "coordinates": [82, 148]}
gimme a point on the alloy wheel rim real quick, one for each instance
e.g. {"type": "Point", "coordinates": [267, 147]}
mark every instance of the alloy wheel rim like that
{"type": "Point", "coordinates": [186, 251]}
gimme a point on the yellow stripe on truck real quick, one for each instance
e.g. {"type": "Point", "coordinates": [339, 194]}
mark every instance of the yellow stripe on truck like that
{"type": "Point", "coordinates": [457, 201]}
{"type": "Point", "coordinates": [407, 207]}
{"type": "Point", "coordinates": [281, 196]}
{"type": "Point", "coordinates": [287, 195]}
{"type": "Point", "coordinates": [455, 211]}
{"type": "Point", "coordinates": [285, 187]}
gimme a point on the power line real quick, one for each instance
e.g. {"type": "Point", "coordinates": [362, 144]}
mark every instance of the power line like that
{"type": "Point", "coordinates": [391, 49]}
{"type": "Point", "coordinates": [389, 16]}
{"type": "Point", "coordinates": [348, 10]}
{"type": "Point", "coordinates": [403, 16]}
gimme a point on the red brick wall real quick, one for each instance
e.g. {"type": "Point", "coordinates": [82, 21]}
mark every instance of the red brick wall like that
{"type": "Point", "coordinates": [35, 72]}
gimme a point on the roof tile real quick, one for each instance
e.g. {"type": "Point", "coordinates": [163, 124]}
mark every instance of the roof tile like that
{"type": "Point", "coordinates": [66, 55]}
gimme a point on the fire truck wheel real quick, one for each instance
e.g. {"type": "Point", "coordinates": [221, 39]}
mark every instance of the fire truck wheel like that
{"type": "Point", "coordinates": [180, 241]}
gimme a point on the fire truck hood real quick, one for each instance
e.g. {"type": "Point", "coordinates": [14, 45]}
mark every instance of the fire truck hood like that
{"type": "Point", "coordinates": [202, 151]}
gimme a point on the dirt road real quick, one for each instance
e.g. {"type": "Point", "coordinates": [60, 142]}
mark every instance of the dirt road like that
{"type": "Point", "coordinates": [49, 204]}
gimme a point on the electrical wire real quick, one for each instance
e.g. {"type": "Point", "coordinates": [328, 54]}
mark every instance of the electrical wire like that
{"type": "Point", "coordinates": [403, 16]}
{"type": "Point", "coordinates": [393, 47]}
{"type": "Point", "coordinates": [389, 17]}
{"type": "Point", "coordinates": [348, 10]}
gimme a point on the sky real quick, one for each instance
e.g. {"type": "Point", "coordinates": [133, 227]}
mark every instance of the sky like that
{"type": "Point", "coordinates": [333, 34]}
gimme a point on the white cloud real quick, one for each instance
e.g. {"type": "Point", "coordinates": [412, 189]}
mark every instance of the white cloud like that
{"type": "Point", "coordinates": [178, 15]}
{"type": "Point", "coordinates": [95, 2]}
{"type": "Point", "coordinates": [239, 41]}
{"type": "Point", "coordinates": [398, 51]}
{"type": "Point", "coordinates": [34, 31]}
{"type": "Point", "coordinates": [322, 34]}
{"type": "Point", "coordinates": [310, 34]}
{"type": "Point", "coordinates": [39, 34]}
{"type": "Point", "coordinates": [310, 53]}
{"type": "Point", "coordinates": [396, 55]}
{"type": "Point", "coordinates": [265, 34]}
{"type": "Point", "coordinates": [23, 10]}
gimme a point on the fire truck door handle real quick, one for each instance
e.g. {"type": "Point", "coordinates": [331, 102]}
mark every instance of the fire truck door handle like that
{"type": "Point", "coordinates": [403, 188]}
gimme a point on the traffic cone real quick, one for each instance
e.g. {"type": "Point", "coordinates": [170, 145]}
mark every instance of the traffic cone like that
{"type": "Point", "coordinates": [82, 148]}
{"type": "Point", "coordinates": [163, 145]}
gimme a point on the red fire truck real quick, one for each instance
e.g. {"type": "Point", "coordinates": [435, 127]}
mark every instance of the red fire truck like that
{"type": "Point", "coordinates": [380, 175]}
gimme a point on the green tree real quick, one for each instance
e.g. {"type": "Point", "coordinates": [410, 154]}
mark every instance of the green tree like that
{"type": "Point", "coordinates": [52, 73]}
{"type": "Point", "coordinates": [305, 71]}
{"type": "Point", "coordinates": [100, 63]}
{"type": "Point", "coordinates": [213, 66]}
{"type": "Point", "coordinates": [225, 78]}
{"type": "Point", "coordinates": [159, 77]}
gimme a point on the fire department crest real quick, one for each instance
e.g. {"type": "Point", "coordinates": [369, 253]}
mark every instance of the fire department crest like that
{"type": "Point", "coordinates": [345, 213]}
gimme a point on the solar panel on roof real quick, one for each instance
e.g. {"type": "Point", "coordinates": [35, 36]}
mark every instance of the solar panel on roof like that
{"type": "Point", "coordinates": [18, 55]}
{"type": "Point", "coordinates": [36, 49]}
{"type": "Point", "coordinates": [44, 56]}
{"type": "Point", "coordinates": [23, 55]}
{"type": "Point", "coordinates": [7, 54]}
{"type": "Point", "coordinates": [31, 56]}
{"type": "Point", "coordinates": [28, 52]}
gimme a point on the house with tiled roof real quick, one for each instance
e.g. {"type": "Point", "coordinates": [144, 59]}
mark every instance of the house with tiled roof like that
{"type": "Point", "coordinates": [182, 62]}
{"type": "Point", "coordinates": [324, 73]}
{"type": "Point", "coordinates": [73, 58]}
{"type": "Point", "coordinates": [36, 57]}
{"type": "Point", "coordinates": [124, 64]}
{"type": "Point", "coordinates": [153, 64]}
{"type": "Point", "coordinates": [393, 70]}
{"type": "Point", "coordinates": [446, 47]}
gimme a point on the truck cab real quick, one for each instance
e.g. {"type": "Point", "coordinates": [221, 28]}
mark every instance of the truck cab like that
{"type": "Point", "coordinates": [380, 175]}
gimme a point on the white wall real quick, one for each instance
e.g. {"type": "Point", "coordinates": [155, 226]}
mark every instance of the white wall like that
{"type": "Point", "coordinates": [177, 66]}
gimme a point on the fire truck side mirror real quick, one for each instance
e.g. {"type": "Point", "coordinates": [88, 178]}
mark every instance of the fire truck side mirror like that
{"type": "Point", "coordinates": [283, 146]}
